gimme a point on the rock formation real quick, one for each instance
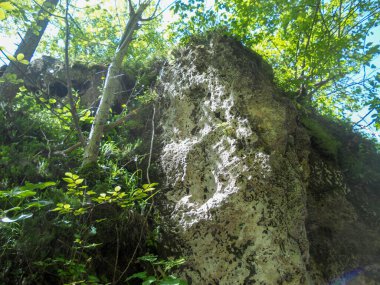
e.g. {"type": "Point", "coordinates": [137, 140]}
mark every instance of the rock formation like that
{"type": "Point", "coordinates": [48, 74]}
{"type": "Point", "coordinates": [247, 197]}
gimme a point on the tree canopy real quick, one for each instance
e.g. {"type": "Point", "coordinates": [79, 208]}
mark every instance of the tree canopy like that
{"type": "Point", "coordinates": [321, 51]}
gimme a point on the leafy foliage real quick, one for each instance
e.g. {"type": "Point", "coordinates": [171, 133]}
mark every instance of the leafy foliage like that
{"type": "Point", "coordinates": [80, 220]}
{"type": "Point", "coordinates": [315, 47]}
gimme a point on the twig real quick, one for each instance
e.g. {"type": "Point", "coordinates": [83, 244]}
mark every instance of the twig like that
{"type": "Point", "coordinates": [154, 12]}
{"type": "Point", "coordinates": [68, 150]}
{"type": "Point", "coordinates": [138, 244]}
{"type": "Point", "coordinates": [159, 14]}
{"type": "Point", "coordinates": [363, 118]}
{"type": "Point", "coordinates": [117, 254]}
{"type": "Point", "coordinates": [47, 142]}
{"type": "Point", "coordinates": [120, 121]}
{"type": "Point", "coordinates": [151, 146]}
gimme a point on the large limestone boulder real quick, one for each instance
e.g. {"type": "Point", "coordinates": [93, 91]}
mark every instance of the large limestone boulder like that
{"type": "Point", "coordinates": [235, 163]}
{"type": "Point", "coordinates": [248, 196]}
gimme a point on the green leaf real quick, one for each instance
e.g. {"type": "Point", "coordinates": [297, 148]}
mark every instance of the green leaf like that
{"type": "Point", "coordinates": [146, 186]}
{"type": "Point", "coordinates": [171, 280]}
{"type": "Point", "coordinates": [79, 181]}
{"type": "Point", "coordinates": [149, 280]}
{"type": "Point", "coordinates": [40, 186]}
{"type": "Point", "coordinates": [11, 57]}
{"type": "Point", "coordinates": [20, 57]}
{"type": "Point", "coordinates": [7, 6]}
{"type": "Point", "coordinates": [68, 180]}
{"type": "Point", "coordinates": [93, 279]}
{"type": "Point", "coordinates": [22, 193]}
{"type": "Point", "coordinates": [12, 209]}
{"type": "Point", "coordinates": [148, 258]}
{"type": "Point", "coordinates": [52, 101]}
{"type": "Point", "coordinates": [18, 218]}
{"type": "Point", "coordinates": [141, 275]}
{"type": "Point", "coordinates": [38, 204]}
{"type": "Point", "coordinates": [4, 194]}
{"type": "Point", "coordinates": [2, 15]}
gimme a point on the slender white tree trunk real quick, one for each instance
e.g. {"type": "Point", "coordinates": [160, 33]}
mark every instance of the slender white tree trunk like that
{"type": "Point", "coordinates": [91, 150]}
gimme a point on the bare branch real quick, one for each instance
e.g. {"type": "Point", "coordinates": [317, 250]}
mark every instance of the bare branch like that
{"type": "Point", "coordinates": [159, 14]}
{"type": "Point", "coordinates": [363, 118]}
{"type": "Point", "coordinates": [68, 150]}
{"type": "Point", "coordinates": [120, 121]}
{"type": "Point", "coordinates": [153, 14]}
{"type": "Point", "coordinates": [131, 9]}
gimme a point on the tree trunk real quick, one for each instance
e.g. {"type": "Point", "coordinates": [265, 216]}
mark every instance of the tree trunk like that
{"type": "Point", "coordinates": [91, 150]}
{"type": "Point", "coordinates": [27, 47]}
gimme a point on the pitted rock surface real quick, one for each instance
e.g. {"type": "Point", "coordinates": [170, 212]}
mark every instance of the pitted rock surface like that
{"type": "Point", "coordinates": [235, 181]}
{"type": "Point", "coordinates": [248, 198]}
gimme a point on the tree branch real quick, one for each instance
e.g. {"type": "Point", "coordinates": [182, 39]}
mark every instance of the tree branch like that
{"type": "Point", "coordinates": [153, 14]}
{"type": "Point", "coordinates": [363, 118]}
{"type": "Point", "coordinates": [131, 9]}
{"type": "Point", "coordinates": [73, 109]}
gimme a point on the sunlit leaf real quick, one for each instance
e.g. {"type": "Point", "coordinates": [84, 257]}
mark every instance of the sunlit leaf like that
{"type": "Point", "coordinates": [149, 280]}
{"type": "Point", "coordinates": [12, 209]}
{"type": "Point", "coordinates": [170, 280]}
{"type": "Point", "coordinates": [22, 193]}
{"type": "Point", "coordinates": [20, 56]}
{"type": "Point", "coordinates": [148, 258]}
{"type": "Point", "coordinates": [11, 57]}
{"type": "Point", "coordinates": [7, 6]}
{"type": "Point", "coordinates": [2, 15]}
{"type": "Point", "coordinates": [141, 275]}
{"type": "Point", "coordinates": [40, 186]}
{"type": "Point", "coordinates": [68, 180]}
{"type": "Point", "coordinates": [38, 204]}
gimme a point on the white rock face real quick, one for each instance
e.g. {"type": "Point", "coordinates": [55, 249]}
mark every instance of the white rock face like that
{"type": "Point", "coordinates": [235, 168]}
